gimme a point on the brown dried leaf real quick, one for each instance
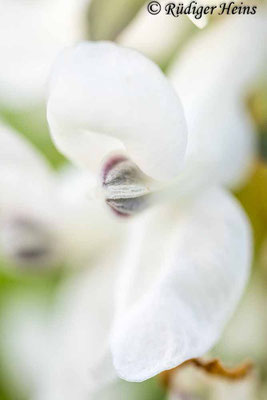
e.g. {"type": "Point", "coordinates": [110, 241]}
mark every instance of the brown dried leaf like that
{"type": "Point", "coordinates": [212, 367]}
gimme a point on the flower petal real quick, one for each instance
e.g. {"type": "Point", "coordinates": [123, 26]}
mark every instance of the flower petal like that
{"type": "Point", "coordinates": [221, 141]}
{"type": "Point", "coordinates": [184, 273]}
{"type": "Point", "coordinates": [106, 98]}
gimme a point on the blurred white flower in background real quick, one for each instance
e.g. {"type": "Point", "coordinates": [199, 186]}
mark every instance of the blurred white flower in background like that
{"type": "Point", "coordinates": [32, 32]}
{"type": "Point", "coordinates": [47, 217]}
{"type": "Point", "coordinates": [214, 76]}
{"type": "Point", "coordinates": [70, 336]}
{"type": "Point", "coordinates": [156, 36]}
{"type": "Point", "coordinates": [28, 209]}
{"type": "Point", "coordinates": [28, 346]}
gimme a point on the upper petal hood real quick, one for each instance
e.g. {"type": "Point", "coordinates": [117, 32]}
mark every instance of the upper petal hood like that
{"type": "Point", "coordinates": [183, 275]}
{"type": "Point", "coordinates": [107, 98]}
{"type": "Point", "coordinates": [213, 76]}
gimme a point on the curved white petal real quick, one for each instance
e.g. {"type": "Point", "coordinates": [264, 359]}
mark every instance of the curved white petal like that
{"type": "Point", "coordinates": [31, 34]}
{"type": "Point", "coordinates": [106, 98]}
{"type": "Point", "coordinates": [183, 275]}
{"type": "Point", "coordinates": [213, 77]}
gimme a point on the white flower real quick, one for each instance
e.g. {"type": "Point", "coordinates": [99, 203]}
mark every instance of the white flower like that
{"type": "Point", "coordinates": [105, 100]}
{"type": "Point", "coordinates": [32, 33]}
{"type": "Point", "coordinates": [187, 261]}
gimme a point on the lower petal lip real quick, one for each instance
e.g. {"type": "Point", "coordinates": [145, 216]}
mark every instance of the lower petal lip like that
{"type": "Point", "coordinates": [110, 203]}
